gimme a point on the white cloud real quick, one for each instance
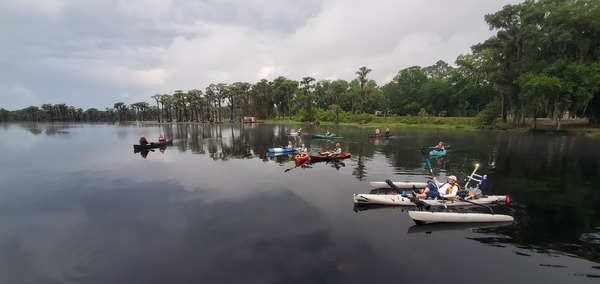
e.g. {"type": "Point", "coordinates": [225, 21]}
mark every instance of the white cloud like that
{"type": "Point", "coordinates": [118, 50]}
{"type": "Point", "coordinates": [16, 94]}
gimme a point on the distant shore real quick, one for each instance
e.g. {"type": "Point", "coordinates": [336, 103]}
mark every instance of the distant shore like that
{"type": "Point", "coordinates": [569, 127]}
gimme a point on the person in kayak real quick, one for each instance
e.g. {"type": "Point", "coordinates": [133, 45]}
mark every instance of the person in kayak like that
{"type": "Point", "coordinates": [387, 131]}
{"type": "Point", "coordinates": [336, 151]}
{"type": "Point", "coordinates": [439, 190]}
{"type": "Point", "coordinates": [438, 147]}
{"type": "Point", "coordinates": [327, 133]}
{"type": "Point", "coordinates": [303, 150]}
{"type": "Point", "coordinates": [290, 145]}
{"type": "Point", "coordinates": [143, 140]}
{"type": "Point", "coordinates": [161, 139]}
{"type": "Point", "coordinates": [377, 132]}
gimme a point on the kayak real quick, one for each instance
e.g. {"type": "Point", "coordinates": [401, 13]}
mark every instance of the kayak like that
{"type": "Point", "coordinates": [321, 158]}
{"type": "Point", "coordinates": [301, 158]}
{"type": "Point", "coordinates": [283, 150]}
{"type": "Point", "coordinates": [324, 136]}
{"type": "Point", "coordinates": [152, 145]}
{"type": "Point", "coordinates": [399, 184]}
{"type": "Point", "coordinates": [421, 217]}
{"type": "Point", "coordinates": [398, 199]}
{"type": "Point", "coordinates": [437, 152]}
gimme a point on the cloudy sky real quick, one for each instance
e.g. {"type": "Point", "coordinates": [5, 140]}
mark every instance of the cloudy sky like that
{"type": "Point", "coordinates": [92, 54]}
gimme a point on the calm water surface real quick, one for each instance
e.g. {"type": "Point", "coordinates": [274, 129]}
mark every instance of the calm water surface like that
{"type": "Point", "coordinates": [77, 205]}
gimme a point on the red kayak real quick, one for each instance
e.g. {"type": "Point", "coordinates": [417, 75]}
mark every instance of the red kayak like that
{"type": "Point", "coordinates": [302, 158]}
{"type": "Point", "coordinates": [324, 157]}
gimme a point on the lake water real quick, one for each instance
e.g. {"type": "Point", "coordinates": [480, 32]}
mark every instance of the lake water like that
{"type": "Point", "coordinates": [77, 205]}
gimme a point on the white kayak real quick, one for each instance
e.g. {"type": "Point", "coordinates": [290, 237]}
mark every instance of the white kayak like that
{"type": "Point", "coordinates": [399, 184]}
{"type": "Point", "coordinates": [421, 217]}
{"type": "Point", "coordinates": [397, 199]}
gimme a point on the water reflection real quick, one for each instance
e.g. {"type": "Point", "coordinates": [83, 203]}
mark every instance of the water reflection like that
{"type": "Point", "coordinates": [144, 153]}
{"type": "Point", "coordinates": [442, 227]}
{"type": "Point", "coordinates": [216, 201]}
{"type": "Point", "coordinates": [49, 129]}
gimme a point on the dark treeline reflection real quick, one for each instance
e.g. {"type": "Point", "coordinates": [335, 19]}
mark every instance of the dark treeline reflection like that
{"type": "Point", "coordinates": [553, 181]}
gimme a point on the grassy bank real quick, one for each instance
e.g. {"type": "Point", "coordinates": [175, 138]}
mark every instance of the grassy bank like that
{"type": "Point", "coordinates": [463, 123]}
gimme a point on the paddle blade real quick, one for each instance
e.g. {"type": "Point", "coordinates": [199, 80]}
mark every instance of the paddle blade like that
{"type": "Point", "coordinates": [428, 163]}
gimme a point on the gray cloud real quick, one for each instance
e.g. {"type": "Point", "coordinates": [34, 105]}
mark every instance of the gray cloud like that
{"type": "Point", "coordinates": [93, 54]}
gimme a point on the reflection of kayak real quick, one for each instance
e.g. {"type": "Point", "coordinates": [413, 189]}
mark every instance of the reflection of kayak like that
{"type": "Point", "coordinates": [320, 158]}
{"type": "Point", "coordinates": [283, 150]}
{"type": "Point", "coordinates": [433, 227]}
{"type": "Point", "coordinates": [380, 135]}
{"type": "Point", "coordinates": [273, 154]}
{"type": "Point", "coordinates": [296, 133]}
{"type": "Point", "coordinates": [437, 152]}
{"type": "Point", "coordinates": [152, 145]}
{"type": "Point", "coordinates": [324, 136]}
{"type": "Point", "coordinates": [421, 217]}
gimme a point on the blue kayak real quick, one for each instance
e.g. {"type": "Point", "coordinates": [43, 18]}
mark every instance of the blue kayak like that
{"type": "Point", "coordinates": [325, 136]}
{"type": "Point", "coordinates": [283, 150]}
{"type": "Point", "coordinates": [436, 152]}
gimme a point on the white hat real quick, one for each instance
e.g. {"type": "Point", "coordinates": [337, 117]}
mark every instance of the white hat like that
{"type": "Point", "coordinates": [452, 177]}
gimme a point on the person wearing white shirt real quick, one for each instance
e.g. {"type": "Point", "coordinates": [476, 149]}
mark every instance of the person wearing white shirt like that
{"type": "Point", "coordinates": [439, 190]}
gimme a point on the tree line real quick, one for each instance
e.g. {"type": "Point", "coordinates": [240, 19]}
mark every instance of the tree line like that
{"type": "Point", "coordinates": [543, 61]}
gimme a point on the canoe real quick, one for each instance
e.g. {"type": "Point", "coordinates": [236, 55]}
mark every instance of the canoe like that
{"type": "Point", "coordinates": [398, 199]}
{"type": "Point", "coordinates": [152, 145]}
{"type": "Point", "coordinates": [323, 136]}
{"type": "Point", "coordinates": [399, 184]}
{"type": "Point", "coordinates": [283, 150]}
{"type": "Point", "coordinates": [422, 217]}
{"type": "Point", "coordinates": [321, 158]}
{"type": "Point", "coordinates": [437, 152]}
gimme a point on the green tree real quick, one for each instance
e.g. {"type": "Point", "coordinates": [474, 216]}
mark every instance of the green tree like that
{"type": "Point", "coordinates": [363, 93]}
{"type": "Point", "coordinates": [306, 98]}
{"type": "Point", "coordinates": [404, 90]}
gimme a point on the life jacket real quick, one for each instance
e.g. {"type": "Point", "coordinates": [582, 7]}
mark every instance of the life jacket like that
{"type": "Point", "coordinates": [451, 188]}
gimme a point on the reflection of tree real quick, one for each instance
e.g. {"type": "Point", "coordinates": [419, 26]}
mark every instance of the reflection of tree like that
{"type": "Point", "coordinates": [587, 248]}
{"type": "Point", "coordinates": [49, 129]}
{"type": "Point", "coordinates": [360, 170]}
{"type": "Point", "coordinates": [34, 128]}
{"type": "Point", "coordinates": [551, 177]}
